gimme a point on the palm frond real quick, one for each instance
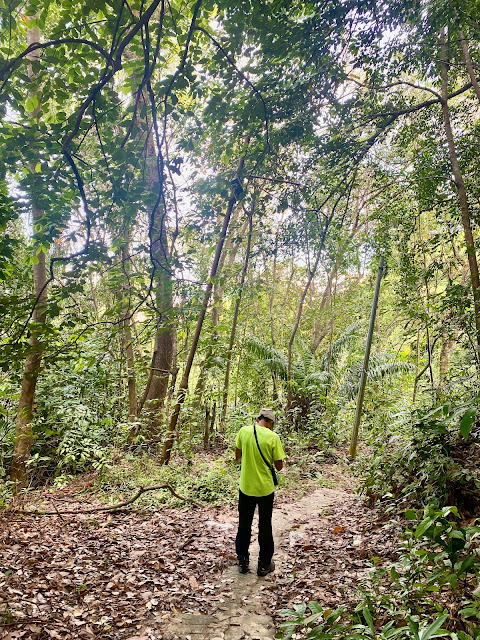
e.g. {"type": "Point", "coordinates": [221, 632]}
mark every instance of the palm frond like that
{"type": "Point", "coordinates": [380, 366]}
{"type": "Point", "coordinates": [350, 334]}
{"type": "Point", "coordinates": [274, 360]}
{"type": "Point", "coordinates": [307, 361]}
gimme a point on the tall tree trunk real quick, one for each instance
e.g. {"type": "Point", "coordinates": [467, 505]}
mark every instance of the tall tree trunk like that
{"type": "Point", "coordinates": [153, 401]}
{"type": "Point", "coordinates": [173, 379]}
{"type": "Point", "coordinates": [299, 315]}
{"type": "Point", "coordinates": [231, 249]}
{"type": "Point", "coordinates": [235, 319]}
{"type": "Point", "coordinates": [462, 193]}
{"type": "Point", "coordinates": [23, 432]}
{"type": "Point", "coordinates": [468, 63]}
{"type": "Point", "coordinates": [183, 388]}
{"type": "Point", "coordinates": [132, 387]}
{"type": "Point", "coordinates": [320, 329]}
{"type": "Point", "coordinates": [417, 367]}
{"type": "Point", "coordinates": [206, 432]}
{"type": "Point", "coordinates": [445, 353]}
{"type": "Point", "coordinates": [128, 341]}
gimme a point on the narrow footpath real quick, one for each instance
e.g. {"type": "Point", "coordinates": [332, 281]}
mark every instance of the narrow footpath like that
{"type": "Point", "coordinates": [241, 613]}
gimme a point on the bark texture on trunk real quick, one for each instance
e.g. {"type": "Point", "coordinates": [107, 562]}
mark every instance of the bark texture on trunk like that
{"type": "Point", "coordinates": [445, 353]}
{"type": "Point", "coordinates": [462, 193]}
{"type": "Point", "coordinates": [23, 427]}
{"type": "Point", "coordinates": [154, 397]}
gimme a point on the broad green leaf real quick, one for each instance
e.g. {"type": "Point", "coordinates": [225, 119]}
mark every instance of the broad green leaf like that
{"type": "Point", "coordinates": [467, 422]}
{"type": "Point", "coordinates": [431, 630]}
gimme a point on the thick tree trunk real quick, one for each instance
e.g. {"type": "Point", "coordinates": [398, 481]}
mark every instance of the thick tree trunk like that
{"type": "Point", "coordinates": [235, 319]}
{"type": "Point", "coordinates": [23, 433]}
{"type": "Point", "coordinates": [462, 194]}
{"type": "Point", "coordinates": [183, 388]}
{"type": "Point", "coordinates": [445, 353]}
{"type": "Point", "coordinates": [153, 401]}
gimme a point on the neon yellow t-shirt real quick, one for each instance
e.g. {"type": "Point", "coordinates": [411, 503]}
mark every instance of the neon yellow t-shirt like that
{"type": "Point", "coordinates": [255, 476]}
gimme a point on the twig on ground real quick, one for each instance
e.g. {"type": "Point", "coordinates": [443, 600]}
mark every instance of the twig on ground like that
{"type": "Point", "coordinates": [31, 621]}
{"type": "Point", "coordinates": [114, 507]}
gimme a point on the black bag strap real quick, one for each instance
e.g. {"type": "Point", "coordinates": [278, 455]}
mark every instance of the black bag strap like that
{"type": "Point", "coordinates": [263, 457]}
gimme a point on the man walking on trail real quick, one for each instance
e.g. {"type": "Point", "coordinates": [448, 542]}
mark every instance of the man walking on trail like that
{"type": "Point", "coordinates": [261, 452]}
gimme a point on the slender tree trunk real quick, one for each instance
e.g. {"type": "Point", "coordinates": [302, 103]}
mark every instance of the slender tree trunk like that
{"type": "Point", "coordinates": [23, 432]}
{"type": "Point", "coordinates": [206, 432]}
{"type": "Point", "coordinates": [299, 315]}
{"type": "Point", "coordinates": [427, 315]}
{"type": "Point", "coordinates": [417, 366]}
{"type": "Point", "coordinates": [468, 63]}
{"type": "Point", "coordinates": [132, 387]}
{"type": "Point", "coordinates": [235, 319]}
{"type": "Point", "coordinates": [332, 323]}
{"type": "Point", "coordinates": [462, 194]}
{"type": "Point", "coordinates": [173, 379]}
{"type": "Point", "coordinates": [319, 328]}
{"type": "Point", "coordinates": [183, 388]}
{"type": "Point", "coordinates": [218, 291]}
{"type": "Point", "coordinates": [128, 339]}
{"type": "Point", "coordinates": [137, 337]}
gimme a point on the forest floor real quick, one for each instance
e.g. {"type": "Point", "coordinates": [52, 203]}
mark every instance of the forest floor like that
{"type": "Point", "coordinates": [144, 575]}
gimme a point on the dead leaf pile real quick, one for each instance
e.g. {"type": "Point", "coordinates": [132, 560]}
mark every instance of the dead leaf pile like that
{"type": "Point", "coordinates": [326, 556]}
{"type": "Point", "coordinates": [102, 576]}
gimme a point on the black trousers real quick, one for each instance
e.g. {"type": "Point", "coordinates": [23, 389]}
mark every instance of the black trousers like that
{"type": "Point", "coordinates": [246, 509]}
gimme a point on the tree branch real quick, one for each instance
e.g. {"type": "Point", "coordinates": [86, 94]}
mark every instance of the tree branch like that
{"type": "Point", "coordinates": [114, 507]}
{"type": "Point", "coordinates": [53, 43]}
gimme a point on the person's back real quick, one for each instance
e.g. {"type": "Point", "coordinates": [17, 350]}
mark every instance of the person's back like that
{"type": "Point", "coordinates": [260, 450]}
{"type": "Point", "coordinates": [255, 476]}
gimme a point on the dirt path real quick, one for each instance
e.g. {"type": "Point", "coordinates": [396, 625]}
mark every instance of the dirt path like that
{"type": "Point", "coordinates": [241, 612]}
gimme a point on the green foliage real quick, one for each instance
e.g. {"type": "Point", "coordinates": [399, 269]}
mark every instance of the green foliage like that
{"type": "Point", "coordinates": [419, 464]}
{"type": "Point", "coordinates": [215, 483]}
{"type": "Point", "coordinates": [325, 625]}
{"type": "Point", "coordinates": [437, 556]}
{"type": "Point", "coordinates": [320, 624]}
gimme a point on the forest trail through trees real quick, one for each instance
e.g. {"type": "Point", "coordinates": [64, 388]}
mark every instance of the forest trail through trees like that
{"type": "Point", "coordinates": [171, 573]}
{"type": "Point", "coordinates": [243, 613]}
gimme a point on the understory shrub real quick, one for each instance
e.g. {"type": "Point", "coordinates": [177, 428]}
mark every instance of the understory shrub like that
{"type": "Point", "coordinates": [432, 460]}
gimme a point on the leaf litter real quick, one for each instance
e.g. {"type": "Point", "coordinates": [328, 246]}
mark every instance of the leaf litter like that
{"type": "Point", "coordinates": [105, 576]}
{"type": "Point", "coordinates": [102, 576]}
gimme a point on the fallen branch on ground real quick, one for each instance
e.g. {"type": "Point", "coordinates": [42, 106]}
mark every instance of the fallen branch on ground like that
{"type": "Point", "coordinates": [117, 506]}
